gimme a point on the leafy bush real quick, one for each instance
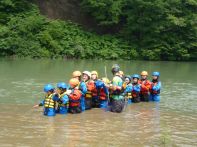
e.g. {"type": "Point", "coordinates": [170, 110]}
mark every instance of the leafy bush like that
{"type": "Point", "coordinates": [29, 34]}
{"type": "Point", "coordinates": [151, 30]}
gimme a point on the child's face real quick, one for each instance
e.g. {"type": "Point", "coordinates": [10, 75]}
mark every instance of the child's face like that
{"type": "Point", "coordinates": [58, 90]}
{"type": "Point", "coordinates": [94, 77]}
{"type": "Point", "coordinates": [127, 81]}
{"type": "Point", "coordinates": [144, 77]}
{"type": "Point", "coordinates": [72, 86]}
{"type": "Point", "coordinates": [155, 77]}
{"type": "Point", "coordinates": [135, 80]}
{"type": "Point", "coordinates": [85, 77]}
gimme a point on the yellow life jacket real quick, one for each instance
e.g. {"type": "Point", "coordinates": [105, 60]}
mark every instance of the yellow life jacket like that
{"type": "Point", "coordinates": [129, 95]}
{"type": "Point", "coordinates": [49, 102]}
{"type": "Point", "coordinates": [60, 96]}
{"type": "Point", "coordinates": [88, 94]}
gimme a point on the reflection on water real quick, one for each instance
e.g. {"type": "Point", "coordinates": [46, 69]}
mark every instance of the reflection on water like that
{"type": "Point", "coordinates": [172, 122]}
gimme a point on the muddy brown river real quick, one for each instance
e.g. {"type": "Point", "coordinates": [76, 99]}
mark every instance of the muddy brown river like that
{"type": "Point", "coordinates": [172, 122]}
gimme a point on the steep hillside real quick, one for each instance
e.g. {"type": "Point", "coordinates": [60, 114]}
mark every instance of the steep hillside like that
{"type": "Point", "coordinates": [70, 10]}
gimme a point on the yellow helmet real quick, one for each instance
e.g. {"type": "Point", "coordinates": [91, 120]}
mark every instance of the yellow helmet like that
{"type": "Point", "coordinates": [94, 73]}
{"type": "Point", "coordinates": [144, 73]}
{"type": "Point", "coordinates": [76, 74]}
{"type": "Point", "coordinates": [105, 80]}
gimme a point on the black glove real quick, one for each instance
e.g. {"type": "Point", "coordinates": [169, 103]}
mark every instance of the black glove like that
{"type": "Point", "coordinates": [60, 101]}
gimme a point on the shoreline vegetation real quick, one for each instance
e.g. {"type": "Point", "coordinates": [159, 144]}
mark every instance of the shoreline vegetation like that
{"type": "Point", "coordinates": [25, 33]}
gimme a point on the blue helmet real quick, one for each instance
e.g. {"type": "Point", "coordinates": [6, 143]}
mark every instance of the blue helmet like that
{"type": "Point", "coordinates": [128, 76]}
{"type": "Point", "coordinates": [156, 74]}
{"type": "Point", "coordinates": [62, 85]}
{"type": "Point", "coordinates": [135, 76]}
{"type": "Point", "coordinates": [48, 87]}
{"type": "Point", "coordinates": [99, 84]}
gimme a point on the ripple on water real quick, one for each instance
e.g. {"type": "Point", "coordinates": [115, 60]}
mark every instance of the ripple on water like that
{"type": "Point", "coordinates": [171, 122]}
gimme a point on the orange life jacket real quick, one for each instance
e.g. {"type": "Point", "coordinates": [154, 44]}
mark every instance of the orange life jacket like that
{"type": "Point", "coordinates": [75, 98]}
{"type": "Point", "coordinates": [145, 86]}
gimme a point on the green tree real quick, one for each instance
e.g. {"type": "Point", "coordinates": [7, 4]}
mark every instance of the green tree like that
{"type": "Point", "coordinates": [158, 29]}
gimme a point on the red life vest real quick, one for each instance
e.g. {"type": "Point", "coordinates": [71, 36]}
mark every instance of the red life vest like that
{"type": "Point", "coordinates": [90, 86]}
{"type": "Point", "coordinates": [94, 91]}
{"type": "Point", "coordinates": [75, 98]}
{"type": "Point", "coordinates": [145, 86]}
{"type": "Point", "coordinates": [102, 95]}
{"type": "Point", "coordinates": [134, 93]}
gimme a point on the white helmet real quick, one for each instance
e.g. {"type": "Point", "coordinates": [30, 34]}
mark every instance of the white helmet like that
{"type": "Point", "coordinates": [87, 73]}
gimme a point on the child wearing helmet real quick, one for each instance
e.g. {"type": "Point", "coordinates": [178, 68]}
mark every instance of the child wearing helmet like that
{"type": "Point", "coordinates": [63, 100]}
{"type": "Point", "coordinates": [90, 86]}
{"type": "Point", "coordinates": [127, 81]}
{"type": "Point", "coordinates": [49, 101]}
{"type": "Point", "coordinates": [74, 96]}
{"type": "Point", "coordinates": [155, 87]}
{"type": "Point", "coordinates": [145, 86]}
{"type": "Point", "coordinates": [95, 97]}
{"type": "Point", "coordinates": [94, 75]}
{"type": "Point", "coordinates": [117, 103]}
{"type": "Point", "coordinates": [127, 90]}
{"type": "Point", "coordinates": [102, 94]}
{"type": "Point", "coordinates": [82, 87]}
{"type": "Point", "coordinates": [136, 89]}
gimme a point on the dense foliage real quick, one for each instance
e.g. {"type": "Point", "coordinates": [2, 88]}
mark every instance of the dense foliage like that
{"type": "Point", "coordinates": [151, 30]}
{"type": "Point", "coordinates": [158, 29]}
{"type": "Point", "coordinates": [26, 33]}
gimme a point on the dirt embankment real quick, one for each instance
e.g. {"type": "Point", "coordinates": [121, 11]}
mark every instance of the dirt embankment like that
{"type": "Point", "coordinates": [69, 10]}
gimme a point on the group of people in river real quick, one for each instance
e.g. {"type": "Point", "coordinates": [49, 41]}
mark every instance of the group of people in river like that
{"type": "Point", "coordinates": [86, 91]}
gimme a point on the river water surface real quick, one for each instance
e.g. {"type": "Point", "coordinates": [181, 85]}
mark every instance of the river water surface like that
{"type": "Point", "coordinates": [172, 122]}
